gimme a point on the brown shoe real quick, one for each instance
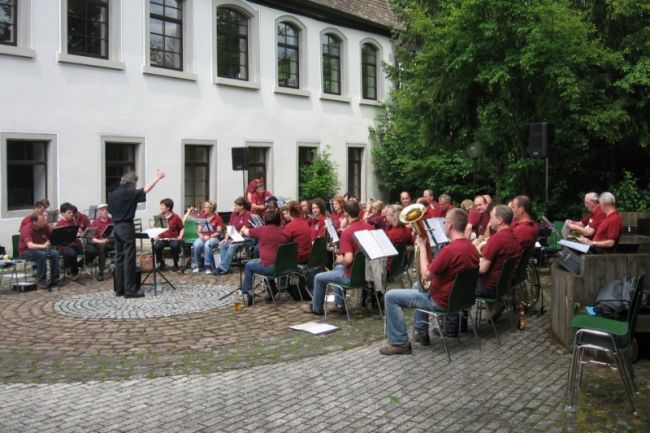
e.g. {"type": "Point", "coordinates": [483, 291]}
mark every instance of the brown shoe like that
{"type": "Point", "coordinates": [404, 349]}
{"type": "Point", "coordinates": [423, 339]}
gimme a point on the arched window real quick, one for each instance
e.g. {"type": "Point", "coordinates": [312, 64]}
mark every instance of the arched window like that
{"type": "Point", "coordinates": [232, 44]}
{"type": "Point", "coordinates": [288, 55]}
{"type": "Point", "coordinates": [369, 71]}
{"type": "Point", "coordinates": [331, 51]}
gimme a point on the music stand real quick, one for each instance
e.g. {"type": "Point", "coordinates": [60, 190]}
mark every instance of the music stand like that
{"type": "Point", "coordinates": [63, 236]}
{"type": "Point", "coordinates": [156, 273]}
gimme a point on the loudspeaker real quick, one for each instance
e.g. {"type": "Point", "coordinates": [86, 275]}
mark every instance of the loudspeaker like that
{"type": "Point", "coordinates": [540, 137]}
{"type": "Point", "coordinates": [239, 158]}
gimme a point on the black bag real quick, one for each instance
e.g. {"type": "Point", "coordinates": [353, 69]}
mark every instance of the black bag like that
{"type": "Point", "coordinates": [614, 299]}
{"type": "Point", "coordinates": [569, 260]}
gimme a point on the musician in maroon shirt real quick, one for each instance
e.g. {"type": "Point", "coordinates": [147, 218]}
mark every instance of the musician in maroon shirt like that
{"type": "Point", "coordinates": [172, 237]}
{"type": "Point", "coordinates": [337, 216]}
{"type": "Point", "coordinates": [523, 225]}
{"type": "Point", "coordinates": [101, 241]}
{"type": "Point", "coordinates": [478, 219]}
{"type": "Point", "coordinates": [34, 244]}
{"type": "Point", "coordinates": [75, 248]}
{"type": "Point", "coordinates": [252, 185]}
{"type": "Point", "coordinates": [258, 200]}
{"type": "Point", "coordinates": [239, 219]}
{"type": "Point", "coordinates": [40, 207]}
{"type": "Point", "coordinates": [589, 223]}
{"type": "Point", "coordinates": [298, 231]}
{"type": "Point", "coordinates": [610, 228]}
{"type": "Point", "coordinates": [317, 228]}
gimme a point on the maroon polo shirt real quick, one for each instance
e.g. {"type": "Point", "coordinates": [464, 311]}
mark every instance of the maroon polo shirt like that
{"type": "Point", "coordinates": [101, 227]}
{"type": "Point", "coordinates": [499, 247]}
{"type": "Point", "coordinates": [174, 227]}
{"type": "Point", "coordinates": [298, 231]}
{"type": "Point", "coordinates": [458, 256]}
{"type": "Point", "coordinates": [348, 244]}
{"type": "Point", "coordinates": [240, 220]}
{"type": "Point", "coordinates": [610, 227]}
{"type": "Point", "coordinates": [269, 238]}
{"type": "Point", "coordinates": [29, 233]}
{"type": "Point", "coordinates": [317, 228]}
{"type": "Point", "coordinates": [526, 231]}
{"type": "Point", "coordinates": [479, 221]}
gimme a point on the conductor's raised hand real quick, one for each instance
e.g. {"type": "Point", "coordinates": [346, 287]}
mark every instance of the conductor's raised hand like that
{"type": "Point", "coordinates": [159, 173]}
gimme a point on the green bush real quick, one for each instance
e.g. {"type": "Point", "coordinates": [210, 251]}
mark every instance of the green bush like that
{"type": "Point", "coordinates": [321, 179]}
{"type": "Point", "coordinates": [629, 197]}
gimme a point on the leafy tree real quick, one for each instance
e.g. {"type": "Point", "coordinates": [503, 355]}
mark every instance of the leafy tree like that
{"type": "Point", "coordinates": [320, 177]}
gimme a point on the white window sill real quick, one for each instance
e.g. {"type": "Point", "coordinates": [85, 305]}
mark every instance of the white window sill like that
{"type": "Point", "coordinates": [337, 98]}
{"type": "Point", "coordinates": [236, 83]}
{"type": "Point", "coordinates": [89, 61]}
{"type": "Point", "coordinates": [169, 73]}
{"type": "Point", "coordinates": [290, 91]}
{"type": "Point", "coordinates": [370, 102]}
{"type": "Point", "coordinates": [10, 50]}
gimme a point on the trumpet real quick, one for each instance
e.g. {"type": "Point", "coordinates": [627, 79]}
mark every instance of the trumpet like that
{"type": "Point", "coordinates": [413, 214]}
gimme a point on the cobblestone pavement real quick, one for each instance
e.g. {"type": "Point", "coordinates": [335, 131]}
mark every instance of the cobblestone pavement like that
{"type": "Point", "coordinates": [227, 371]}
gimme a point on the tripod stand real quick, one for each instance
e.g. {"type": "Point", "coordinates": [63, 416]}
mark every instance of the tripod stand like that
{"type": "Point", "coordinates": [156, 274]}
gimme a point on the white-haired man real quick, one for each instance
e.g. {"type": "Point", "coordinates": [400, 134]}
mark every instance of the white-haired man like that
{"type": "Point", "coordinates": [609, 229]}
{"type": "Point", "coordinates": [589, 223]}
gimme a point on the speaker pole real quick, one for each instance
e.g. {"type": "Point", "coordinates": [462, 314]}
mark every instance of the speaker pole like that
{"type": "Point", "coordinates": [546, 187]}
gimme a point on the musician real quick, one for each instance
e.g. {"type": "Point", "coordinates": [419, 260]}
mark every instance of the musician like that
{"type": "Point", "coordinates": [75, 248]}
{"type": "Point", "coordinates": [34, 245]}
{"type": "Point", "coordinates": [40, 207]}
{"type": "Point", "coordinates": [172, 237]}
{"type": "Point", "coordinates": [208, 238]}
{"type": "Point", "coordinates": [458, 256]}
{"type": "Point", "coordinates": [252, 185]}
{"type": "Point", "coordinates": [405, 198]}
{"type": "Point", "coordinates": [269, 237]}
{"type": "Point", "coordinates": [337, 216]}
{"type": "Point", "coordinates": [374, 215]}
{"type": "Point", "coordinates": [272, 206]}
{"type": "Point", "coordinates": [239, 219]}
{"type": "Point", "coordinates": [81, 220]}
{"type": "Point", "coordinates": [589, 223]}
{"type": "Point", "coordinates": [343, 269]}
{"type": "Point", "coordinates": [444, 204]}
{"type": "Point", "coordinates": [430, 203]}
{"type": "Point", "coordinates": [523, 226]}
{"type": "Point", "coordinates": [122, 205]}
{"type": "Point", "coordinates": [101, 242]}
{"type": "Point", "coordinates": [258, 200]}
{"type": "Point", "coordinates": [478, 219]}
{"type": "Point", "coordinates": [609, 229]}
{"type": "Point", "coordinates": [306, 213]}
{"type": "Point", "coordinates": [298, 231]}
{"type": "Point", "coordinates": [317, 227]}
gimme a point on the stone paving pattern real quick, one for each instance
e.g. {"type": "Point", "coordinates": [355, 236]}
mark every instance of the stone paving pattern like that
{"type": "Point", "coordinates": [218, 370]}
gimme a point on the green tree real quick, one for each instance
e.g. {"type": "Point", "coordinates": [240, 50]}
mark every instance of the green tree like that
{"type": "Point", "coordinates": [320, 177]}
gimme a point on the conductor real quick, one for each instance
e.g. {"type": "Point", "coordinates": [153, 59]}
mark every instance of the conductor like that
{"type": "Point", "coordinates": [122, 205]}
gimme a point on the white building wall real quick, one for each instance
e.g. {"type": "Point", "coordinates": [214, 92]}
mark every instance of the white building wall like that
{"type": "Point", "coordinates": [80, 104]}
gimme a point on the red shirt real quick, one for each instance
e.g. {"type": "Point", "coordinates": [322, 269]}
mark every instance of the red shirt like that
{"type": "Point", "coordinates": [174, 227]}
{"type": "Point", "coordinates": [239, 221]}
{"type": "Point", "coordinates": [479, 221]}
{"type": "Point", "coordinates": [458, 256]}
{"type": "Point", "coordinates": [610, 227]}
{"type": "Point", "coordinates": [398, 235]}
{"type": "Point", "coordinates": [318, 227]}
{"type": "Point", "coordinates": [348, 244]}
{"type": "Point", "coordinates": [26, 220]}
{"type": "Point", "coordinates": [499, 247]}
{"type": "Point", "coordinates": [336, 218]}
{"type": "Point", "coordinates": [430, 212]}
{"type": "Point", "coordinates": [260, 201]}
{"type": "Point", "coordinates": [376, 220]}
{"type": "Point", "coordinates": [252, 186]}
{"type": "Point", "coordinates": [526, 231]}
{"type": "Point", "coordinates": [593, 219]}
{"type": "Point", "coordinates": [29, 233]}
{"type": "Point", "coordinates": [269, 238]}
{"type": "Point", "coordinates": [82, 221]}
{"type": "Point", "coordinates": [215, 221]}
{"type": "Point", "coordinates": [298, 231]}
{"type": "Point", "coordinates": [101, 227]}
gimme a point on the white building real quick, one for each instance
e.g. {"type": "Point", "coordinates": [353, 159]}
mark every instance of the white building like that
{"type": "Point", "coordinates": [92, 88]}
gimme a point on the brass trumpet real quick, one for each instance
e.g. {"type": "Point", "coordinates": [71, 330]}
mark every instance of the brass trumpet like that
{"type": "Point", "coordinates": [413, 214]}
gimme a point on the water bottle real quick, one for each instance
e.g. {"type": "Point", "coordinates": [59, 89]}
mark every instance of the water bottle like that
{"type": "Point", "coordinates": [157, 289]}
{"type": "Point", "coordinates": [522, 316]}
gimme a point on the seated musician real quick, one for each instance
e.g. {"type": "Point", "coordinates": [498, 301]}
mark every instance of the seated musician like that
{"type": "Point", "coordinates": [344, 257]}
{"type": "Point", "coordinates": [430, 203]}
{"type": "Point", "coordinates": [102, 241]}
{"type": "Point", "coordinates": [81, 220]}
{"type": "Point", "coordinates": [298, 231]}
{"type": "Point", "coordinates": [272, 206]}
{"type": "Point", "coordinates": [269, 237]}
{"type": "Point", "coordinates": [239, 219]}
{"type": "Point", "coordinates": [458, 256]}
{"type": "Point", "coordinates": [207, 237]}
{"type": "Point", "coordinates": [317, 227]}
{"type": "Point", "coordinates": [306, 212]}
{"type": "Point", "coordinates": [75, 248]}
{"type": "Point", "coordinates": [374, 214]}
{"type": "Point", "coordinates": [478, 220]}
{"type": "Point", "coordinates": [444, 204]}
{"type": "Point", "coordinates": [337, 215]}
{"type": "Point", "coordinates": [523, 226]}
{"type": "Point", "coordinates": [589, 223]}
{"type": "Point", "coordinates": [34, 245]}
{"type": "Point", "coordinates": [40, 207]}
{"type": "Point", "coordinates": [405, 198]}
{"type": "Point", "coordinates": [252, 185]}
{"type": "Point", "coordinates": [258, 200]}
{"type": "Point", "coordinates": [609, 229]}
{"type": "Point", "coordinates": [172, 237]}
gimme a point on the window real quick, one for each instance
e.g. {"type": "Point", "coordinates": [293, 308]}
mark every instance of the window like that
{"type": "Point", "coordinates": [166, 34]}
{"type": "Point", "coordinates": [232, 44]}
{"type": "Point", "coordinates": [288, 56]}
{"type": "Point", "coordinates": [355, 159]}
{"type": "Point", "coordinates": [331, 50]}
{"type": "Point", "coordinates": [369, 72]}
{"type": "Point", "coordinates": [120, 159]}
{"type": "Point", "coordinates": [26, 173]}
{"type": "Point", "coordinates": [257, 162]}
{"type": "Point", "coordinates": [88, 28]}
{"type": "Point", "coordinates": [306, 156]}
{"type": "Point", "coordinates": [197, 175]}
{"type": "Point", "coordinates": [8, 22]}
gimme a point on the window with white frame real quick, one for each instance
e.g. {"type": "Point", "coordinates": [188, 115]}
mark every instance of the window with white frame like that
{"type": "Point", "coordinates": [15, 28]}
{"type": "Point", "coordinates": [8, 22]}
{"type": "Point", "coordinates": [331, 62]}
{"type": "Point", "coordinates": [120, 155]}
{"type": "Point", "coordinates": [288, 55]}
{"type": "Point", "coordinates": [306, 155]}
{"type": "Point", "coordinates": [369, 71]}
{"type": "Point", "coordinates": [197, 175]}
{"type": "Point", "coordinates": [355, 165]}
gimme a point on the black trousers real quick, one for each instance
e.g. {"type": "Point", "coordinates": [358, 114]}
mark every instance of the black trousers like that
{"type": "Point", "coordinates": [125, 276]}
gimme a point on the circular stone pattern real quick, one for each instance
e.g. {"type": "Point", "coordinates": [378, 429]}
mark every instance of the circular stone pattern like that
{"type": "Point", "coordinates": [170, 302]}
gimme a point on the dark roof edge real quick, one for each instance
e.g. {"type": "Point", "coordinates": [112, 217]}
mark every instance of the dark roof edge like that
{"type": "Point", "coordinates": [328, 15]}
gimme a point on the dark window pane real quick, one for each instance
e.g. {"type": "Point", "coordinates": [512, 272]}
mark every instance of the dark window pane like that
{"type": "Point", "coordinates": [166, 34]}
{"type": "Point", "coordinates": [256, 161]}
{"type": "Point", "coordinates": [26, 173]}
{"type": "Point", "coordinates": [232, 44]}
{"type": "Point", "coordinates": [88, 28]}
{"type": "Point", "coordinates": [120, 158]}
{"type": "Point", "coordinates": [355, 159]}
{"type": "Point", "coordinates": [369, 71]}
{"type": "Point", "coordinates": [288, 56]}
{"type": "Point", "coordinates": [331, 64]}
{"type": "Point", "coordinates": [197, 175]}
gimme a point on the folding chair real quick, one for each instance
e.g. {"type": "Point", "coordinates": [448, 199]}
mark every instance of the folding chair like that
{"type": "Point", "coordinates": [397, 267]}
{"type": "Point", "coordinates": [190, 234]}
{"type": "Point", "coordinates": [285, 266]}
{"type": "Point", "coordinates": [501, 293]}
{"type": "Point", "coordinates": [357, 281]}
{"type": "Point", "coordinates": [317, 262]}
{"type": "Point", "coordinates": [612, 338]}
{"type": "Point", "coordinates": [27, 265]}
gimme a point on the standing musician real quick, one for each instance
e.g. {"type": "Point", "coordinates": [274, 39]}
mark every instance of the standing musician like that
{"type": "Point", "coordinates": [458, 256]}
{"type": "Point", "coordinates": [100, 241]}
{"type": "Point", "coordinates": [239, 219]}
{"type": "Point", "coordinates": [172, 237]}
{"type": "Point", "coordinates": [252, 185]}
{"type": "Point", "coordinates": [206, 239]}
{"type": "Point", "coordinates": [34, 244]}
{"type": "Point", "coordinates": [122, 204]}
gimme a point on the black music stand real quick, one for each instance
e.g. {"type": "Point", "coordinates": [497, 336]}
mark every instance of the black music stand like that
{"type": "Point", "coordinates": [156, 273]}
{"type": "Point", "coordinates": [63, 236]}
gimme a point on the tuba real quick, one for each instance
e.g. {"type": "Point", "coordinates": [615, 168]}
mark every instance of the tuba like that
{"type": "Point", "coordinates": [413, 214]}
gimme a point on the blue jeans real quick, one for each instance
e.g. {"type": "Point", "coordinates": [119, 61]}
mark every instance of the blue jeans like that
{"type": "Point", "coordinates": [229, 251]}
{"type": "Point", "coordinates": [321, 281]}
{"type": "Point", "coordinates": [397, 299]}
{"type": "Point", "coordinates": [205, 246]}
{"type": "Point", "coordinates": [254, 267]}
{"type": "Point", "coordinates": [40, 257]}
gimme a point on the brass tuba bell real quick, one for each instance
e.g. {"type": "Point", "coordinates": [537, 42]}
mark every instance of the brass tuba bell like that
{"type": "Point", "coordinates": [412, 214]}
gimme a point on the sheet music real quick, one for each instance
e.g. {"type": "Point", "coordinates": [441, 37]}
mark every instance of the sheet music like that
{"type": "Point", "coordinates": [89, 233]}
{"type": "Point", "coordinates": [331, 231]}
{"type": "Point", "coordinates": [154, 232]}
{"type": "Point", "coordinates": [315, 328]}
{"type": "Point", "coordinates": [578, 246]}
{"type": "Point", "coordinates": [437, 229]}
{"type": "Point", "coordinates": [234, 234]}
{"type": "Point", "coordinates": [375, 244]}
{"type": "Point", "coordinates": [386, 245]}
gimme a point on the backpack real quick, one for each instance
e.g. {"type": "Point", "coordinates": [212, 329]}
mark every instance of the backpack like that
{"type": "Point", "coordinates": [614, 299]}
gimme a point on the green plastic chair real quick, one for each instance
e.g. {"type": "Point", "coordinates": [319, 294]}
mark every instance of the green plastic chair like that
{"type": "Point", "coordinates": [462, 297]}
{"type": "Point", "coordinates": [285, 266]}
{"type": "Point", "coordinates": [317, 261]}
{"type": "Point", "coordinates": [25, 263]}
{"type": "Point", "coordinates": [555, 236]}
{"type": "Point", "coordinates": [612, 338]}
{"type": "Point", "coordinates": [357, 281]}
{"type": "Point", "coordinates": [190, 234]}
{"type": "Point", "coordinates": [501, 292]}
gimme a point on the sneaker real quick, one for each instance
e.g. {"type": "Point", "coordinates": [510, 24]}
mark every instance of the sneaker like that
{"type": "Point", "coordinates": [208, 271]}
{"type": "Point", "coordinates": [423, 339]}
{"type": "Point", "coordinates": [196, 270]}
{"type": "Point", "coordinates": [404, 349]}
